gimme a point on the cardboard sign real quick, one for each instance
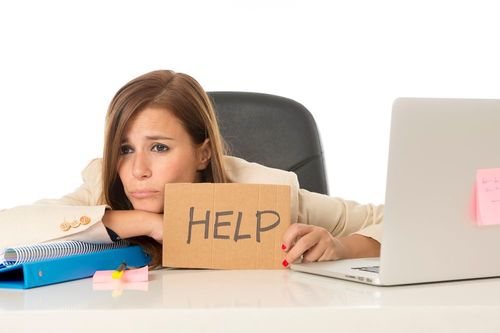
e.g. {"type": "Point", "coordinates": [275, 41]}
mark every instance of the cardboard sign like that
{"type": "Point", "coordinates": [225, 226]}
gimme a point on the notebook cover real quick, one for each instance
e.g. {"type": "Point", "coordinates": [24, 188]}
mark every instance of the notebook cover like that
{"type": "Point", "coordinates": [45, 272]}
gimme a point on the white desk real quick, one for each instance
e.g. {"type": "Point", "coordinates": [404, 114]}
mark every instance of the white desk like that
{"type": "Point", "coordinates": [253, 301]}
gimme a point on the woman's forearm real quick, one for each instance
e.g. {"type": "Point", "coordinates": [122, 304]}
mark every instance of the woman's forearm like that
{"type": "Point", "coordinates": [131, 223]}
{"type": "Point", "coordinates": [359, 246]}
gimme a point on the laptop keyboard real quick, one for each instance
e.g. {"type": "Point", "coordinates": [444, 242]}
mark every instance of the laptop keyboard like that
{"type": "Point", "coordinates": [372, 269]}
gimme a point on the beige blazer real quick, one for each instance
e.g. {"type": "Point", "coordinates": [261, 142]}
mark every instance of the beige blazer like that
{"type": "Point", "coordinates": [78, 215]}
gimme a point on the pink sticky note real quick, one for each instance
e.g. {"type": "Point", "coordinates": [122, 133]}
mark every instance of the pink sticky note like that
{"type": "Point", "coordinates": [117, 285]}
{"type": "Point", "coordinates": [488, 196]}
{"type": "Point", "coordinates": [129, 275]}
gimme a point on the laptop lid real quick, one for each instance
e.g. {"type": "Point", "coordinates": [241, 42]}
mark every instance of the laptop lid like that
{"type": "Point", "coordinates": [430, 234]}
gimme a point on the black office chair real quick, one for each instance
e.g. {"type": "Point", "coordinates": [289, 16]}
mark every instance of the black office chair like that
{"type": "Point", "coordinates": [274, 131]}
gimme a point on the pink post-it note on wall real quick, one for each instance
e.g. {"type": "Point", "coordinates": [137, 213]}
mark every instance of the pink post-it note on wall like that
{"type": "Point", "coordinates": [129, 275]}
{"type": "Point", "coordinates": [488, 196]}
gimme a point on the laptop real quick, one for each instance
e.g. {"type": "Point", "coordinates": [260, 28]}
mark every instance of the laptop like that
{"type": "Point", "coordinates": [430, 234]}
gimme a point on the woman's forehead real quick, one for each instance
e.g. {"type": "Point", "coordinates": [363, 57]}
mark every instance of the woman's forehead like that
{"type": "Point", "coordinates": [154, 122]}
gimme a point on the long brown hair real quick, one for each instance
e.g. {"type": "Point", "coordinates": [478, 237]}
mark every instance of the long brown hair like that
{"type": "Point", "coordinates": [186, 99]}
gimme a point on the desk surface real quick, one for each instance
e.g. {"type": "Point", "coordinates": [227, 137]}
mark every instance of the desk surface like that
{"type": "Point", "coordinates": [246, 301]}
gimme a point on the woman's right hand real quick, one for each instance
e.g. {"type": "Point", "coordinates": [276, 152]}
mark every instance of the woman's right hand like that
{"type": "Point", "coordinates": [132, 223]}
{"type": "Point", "coordinates": [155, 222]}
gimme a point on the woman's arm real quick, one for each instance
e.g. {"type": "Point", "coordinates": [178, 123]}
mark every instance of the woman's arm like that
{"type": "Point", "coordinates": [333, 228]}
{"type": "Point", "coordinates": [317, 244]}
{"type": "Point", "coordinates": [131, 223]}
{"type": "Point", "coordinates": [340, 217]}
{"type": "Point", "coordinates": [359, 246]}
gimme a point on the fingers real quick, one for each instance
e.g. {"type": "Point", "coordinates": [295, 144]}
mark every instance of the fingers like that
{"type": "Point", "coordinates": [293, 232]}
{"type": "Point", "coordinates": [315, 253]}
{"type": "Point", "coordinates": [302, 245]}
{"type": "Point", "coordinates": [311, 242]}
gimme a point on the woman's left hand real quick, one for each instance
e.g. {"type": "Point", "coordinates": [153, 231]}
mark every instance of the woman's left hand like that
{"type": "Point", "coordinates": [313, 242]}
{"type": "Point", "coordinates": [317, 244]}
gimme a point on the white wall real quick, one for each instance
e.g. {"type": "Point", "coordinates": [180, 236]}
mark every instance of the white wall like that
{"type": "Point", "coordinates": [62, 61]}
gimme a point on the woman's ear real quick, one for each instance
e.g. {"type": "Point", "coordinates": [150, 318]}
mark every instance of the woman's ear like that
{"type": "Point", "coordinates": [204, 154]}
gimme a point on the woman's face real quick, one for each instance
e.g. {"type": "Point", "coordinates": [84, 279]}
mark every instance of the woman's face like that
{"type": "Point", "coordinates": [155, 150]}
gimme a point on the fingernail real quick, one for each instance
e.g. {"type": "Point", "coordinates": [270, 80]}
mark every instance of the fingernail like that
{"type": "Point", "coordinates": [285, 263]}
{"type": "Point", "coordinates": [283, 247]}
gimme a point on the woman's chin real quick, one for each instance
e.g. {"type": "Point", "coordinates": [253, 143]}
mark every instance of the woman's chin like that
{"type": "Point", "coordinates": [149, 208]}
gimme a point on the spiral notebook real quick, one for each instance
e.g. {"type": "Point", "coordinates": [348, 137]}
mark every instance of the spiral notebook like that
{"type": "Point", "coordinates": [47, 263]}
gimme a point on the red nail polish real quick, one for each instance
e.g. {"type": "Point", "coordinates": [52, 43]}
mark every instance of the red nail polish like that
{"type": "Point", "coordinates": [283, 247]}
{"type": "Point", "coordinates": [285, 263]}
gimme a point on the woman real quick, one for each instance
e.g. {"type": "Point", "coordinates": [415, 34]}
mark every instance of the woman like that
{"type": "Point", "coordinates": [161, 128]}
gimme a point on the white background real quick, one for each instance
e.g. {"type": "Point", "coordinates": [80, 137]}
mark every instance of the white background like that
{"type": "Point", "coordinates": [62, 61]}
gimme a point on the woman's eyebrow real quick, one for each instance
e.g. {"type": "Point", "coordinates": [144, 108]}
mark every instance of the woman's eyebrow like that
{"type": "Point", "coordinates": [150, 137]}
{"type": "Point", "coordinates": [158, 137]}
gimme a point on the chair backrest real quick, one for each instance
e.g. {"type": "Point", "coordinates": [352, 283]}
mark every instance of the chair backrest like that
{"type": "Point", "coordinates": [274, 131]}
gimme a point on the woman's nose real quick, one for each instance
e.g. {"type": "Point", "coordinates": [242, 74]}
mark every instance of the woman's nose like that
{"type": "Point", "coordinates": [141, 168]}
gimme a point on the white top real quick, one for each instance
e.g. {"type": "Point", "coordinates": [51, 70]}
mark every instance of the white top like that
{"type": "Point", "coordinates": [253, 301]}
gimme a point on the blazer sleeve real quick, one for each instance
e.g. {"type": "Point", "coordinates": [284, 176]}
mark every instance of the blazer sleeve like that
{"type": "Point", "coordinates": [77, 216]}
{"type": "Point", "coordinates": [340, 217]}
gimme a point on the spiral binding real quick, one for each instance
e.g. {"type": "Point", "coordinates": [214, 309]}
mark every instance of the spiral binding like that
{"type": "Point", "coordinates": [29, 253]}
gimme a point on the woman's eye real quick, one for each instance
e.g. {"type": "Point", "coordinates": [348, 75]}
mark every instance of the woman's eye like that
{"type": "Point", "coordinates": [159, 148]}
{"type": "Point", "coordinates": [125, 150]}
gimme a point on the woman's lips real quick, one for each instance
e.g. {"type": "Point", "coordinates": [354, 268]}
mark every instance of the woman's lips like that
{"type": "Point", "coordinates": [144, 194]}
